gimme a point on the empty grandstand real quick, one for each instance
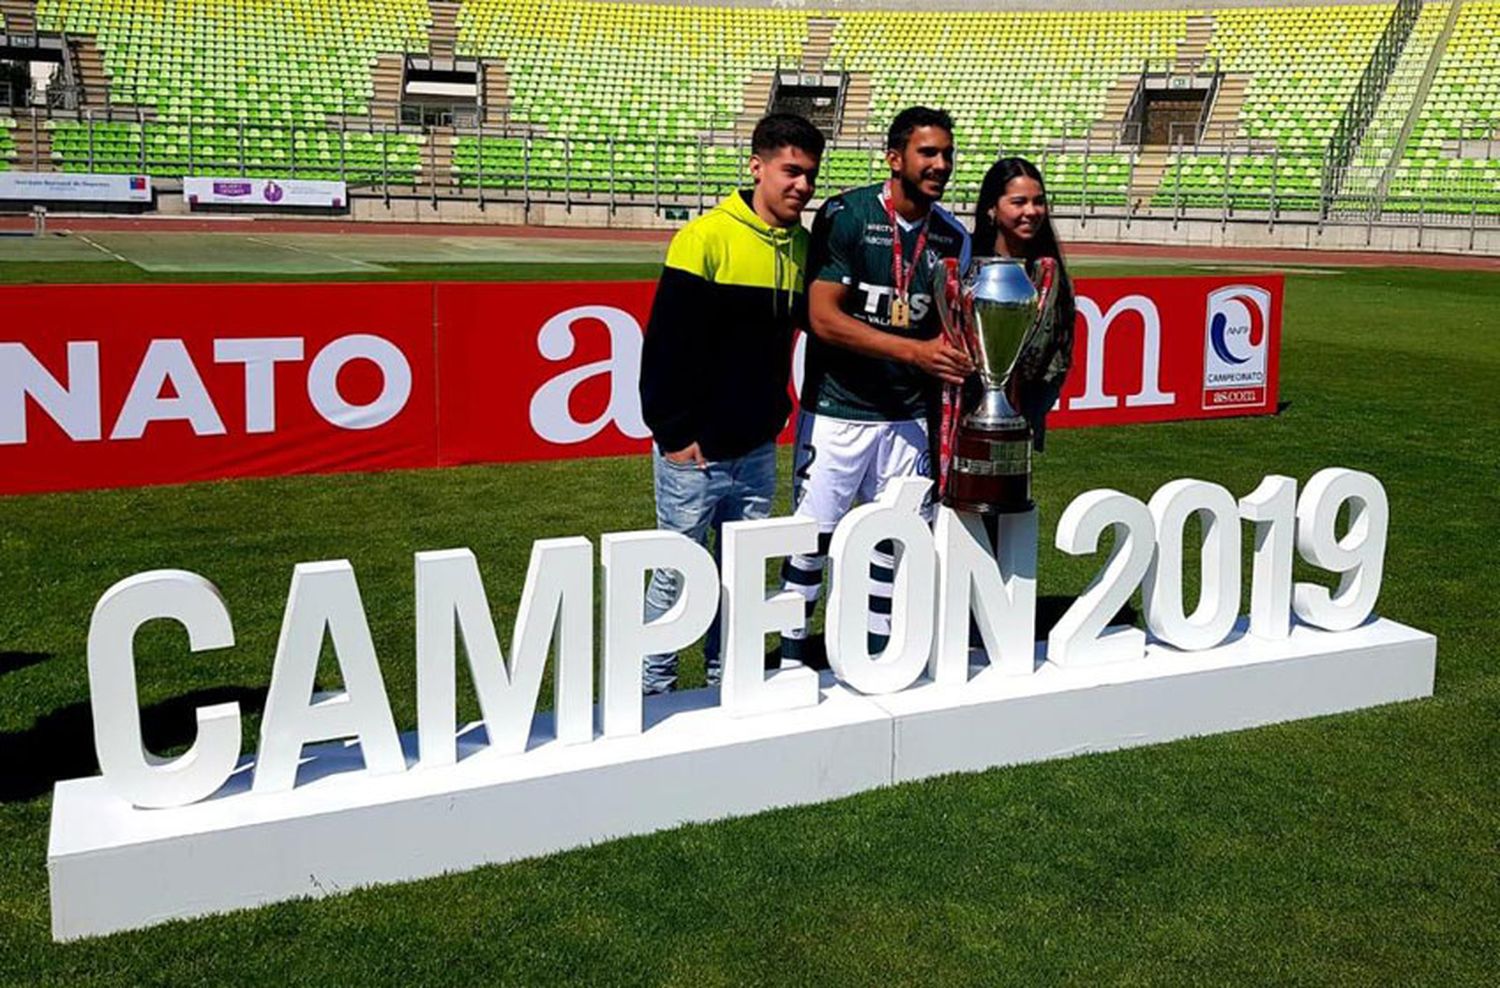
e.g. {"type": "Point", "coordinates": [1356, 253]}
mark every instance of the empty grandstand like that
{"type": "Point", "coordinates": [1351, 112]}
{"type": "Point", "coordinates": [1449, 147]}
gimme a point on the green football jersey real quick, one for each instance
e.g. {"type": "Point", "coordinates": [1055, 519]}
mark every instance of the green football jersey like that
{"type": "Point", "coordinates": [851, 245]}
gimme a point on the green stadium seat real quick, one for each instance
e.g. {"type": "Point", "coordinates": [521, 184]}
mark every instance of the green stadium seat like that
{"type": "Point", "coordinates": [240, 64]}
{"type": "Point", "coordinates": [1463, 103]}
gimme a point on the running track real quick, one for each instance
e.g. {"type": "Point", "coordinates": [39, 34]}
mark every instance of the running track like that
{"type": "Point", "coordinates": [1246, 255]}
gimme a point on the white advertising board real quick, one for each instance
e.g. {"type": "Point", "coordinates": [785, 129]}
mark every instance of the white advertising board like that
{"type": "Point", "coordinates": [73, 187]}
{"type": "Point", "coordinates": [233, 191]}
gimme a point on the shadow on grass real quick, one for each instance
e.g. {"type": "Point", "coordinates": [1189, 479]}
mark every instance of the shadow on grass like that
{"type": "Point", "coordinates": [60, 745]}
{"type": "Point", "coordinates": [16, 661]}
{"type": "Point", "coordinates": [1049, 610]}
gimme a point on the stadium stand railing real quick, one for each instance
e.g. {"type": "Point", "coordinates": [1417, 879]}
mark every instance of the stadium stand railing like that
{"type": "Point", "coordinates": [1273, 156]}
{"type": "Point", "coordinates": [1450, 154]}
{"type": "Point", "coordinates": [236, 86]}
{"type": "Point", "coordinates": [1361, 186]}
{"type": "Point", "coordinates": [1369, 93]}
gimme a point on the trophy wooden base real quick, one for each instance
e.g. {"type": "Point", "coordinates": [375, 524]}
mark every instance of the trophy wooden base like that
{"type": "Point", "coordinates": [991, 472]}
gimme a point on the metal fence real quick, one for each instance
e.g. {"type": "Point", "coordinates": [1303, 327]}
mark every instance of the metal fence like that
{"type": "Point", "coordinates": [1199, 175]}
{"type": "Point", "coordinates": [1368, 93]}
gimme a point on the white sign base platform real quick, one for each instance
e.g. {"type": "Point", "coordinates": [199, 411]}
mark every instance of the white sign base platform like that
{"type": "Point", "coordinates": [114, 867]}
{"type": "Point", "coordinates": [1246, 682]}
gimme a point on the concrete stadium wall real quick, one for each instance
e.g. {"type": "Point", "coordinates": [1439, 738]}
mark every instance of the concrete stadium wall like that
{"type": "Point", "coordinates": [1455, 236]}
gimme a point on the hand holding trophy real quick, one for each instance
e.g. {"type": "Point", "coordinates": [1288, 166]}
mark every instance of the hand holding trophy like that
{"type": "Point", "coordinates": [996, 314]}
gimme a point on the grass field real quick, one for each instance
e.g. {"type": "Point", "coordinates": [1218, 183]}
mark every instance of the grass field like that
{"type": "Point", "coordinates": [1357, 849]}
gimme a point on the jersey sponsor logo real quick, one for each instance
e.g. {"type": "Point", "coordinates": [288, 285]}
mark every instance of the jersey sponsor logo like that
{"type": "Point", "coordinates": [879, 235]}
{"type": "Point", "coordinates": [877, 303]}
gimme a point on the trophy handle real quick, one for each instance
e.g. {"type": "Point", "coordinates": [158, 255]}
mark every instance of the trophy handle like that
{"type": "Point", "coordinates": [950, 304]}
{"type": "Point", "coordinates": [1047, 285]}
{"type": "Point", "coordinates": [954, 313]}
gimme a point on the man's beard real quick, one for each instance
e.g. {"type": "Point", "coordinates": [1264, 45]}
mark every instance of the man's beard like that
{"type": "Point", "coordinates": [915, 193]}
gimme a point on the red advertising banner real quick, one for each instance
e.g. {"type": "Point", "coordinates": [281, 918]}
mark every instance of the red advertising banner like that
{"type": "Point", "coordinates": [126, 385]}
{"type": "Point", "coordinates": [543, 371]}
{"type": "Point", "coordinates": [1158, 349]}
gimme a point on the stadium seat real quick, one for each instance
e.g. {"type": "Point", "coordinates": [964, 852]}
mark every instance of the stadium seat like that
{"type": "Point", "coordinates": [1379, 140]}
{"type": "Point", "coordinates": [7, 143]}
{"type": "Point", "coordinates": [1015, 81]}
{"type": "Point", "coordinates": [243, 72]}
{"type": "Point", "coordinates": [628, 85]}
{"type": "Point", "coordinates": [1463, 103]}
{"type": "Point", "coordinates": [1304, 64]}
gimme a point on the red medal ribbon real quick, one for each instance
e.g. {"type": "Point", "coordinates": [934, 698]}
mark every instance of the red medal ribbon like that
{"type": "Point", "coordinates": [899, 273]}
{"type": "Point", "coordinates": [951, 296]}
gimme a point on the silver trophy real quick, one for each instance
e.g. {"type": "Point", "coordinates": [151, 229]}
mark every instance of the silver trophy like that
{"type": "Point", "coordinates": [994, 314]}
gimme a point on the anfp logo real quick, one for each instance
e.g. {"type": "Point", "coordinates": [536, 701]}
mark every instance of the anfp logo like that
{"type": "Point", "coordinates": [1236, 336]}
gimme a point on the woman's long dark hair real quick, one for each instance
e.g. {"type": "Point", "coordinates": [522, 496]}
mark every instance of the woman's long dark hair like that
{"type": "Point", "coordinates": [1044, 244]}
{"type": "Point", "coordinates": [1036, 395]}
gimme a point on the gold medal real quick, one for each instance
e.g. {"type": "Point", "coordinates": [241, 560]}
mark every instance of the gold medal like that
{"type": "Point", "coordinates": [901, 274]}
{"type": "Point", "coordinates": [900, 312]}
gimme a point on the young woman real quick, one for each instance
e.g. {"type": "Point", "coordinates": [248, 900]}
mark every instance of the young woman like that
{"type": "Point", "coordinates": [1011, 220]}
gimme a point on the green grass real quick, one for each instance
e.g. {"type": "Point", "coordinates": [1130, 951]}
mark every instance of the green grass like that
{"type": "Point", "coordinates": [1357, 849]}
{"type": "Point", "coordinates": [117, 272]}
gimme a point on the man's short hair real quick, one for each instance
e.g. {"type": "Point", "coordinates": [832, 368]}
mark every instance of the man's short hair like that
{"type": "Point", "coordinates": [778, 130]}
{"type": "Point", "coordinates": [909, 119]}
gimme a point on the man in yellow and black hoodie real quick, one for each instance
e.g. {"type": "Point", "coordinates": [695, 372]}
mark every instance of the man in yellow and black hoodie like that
{"type": "Point", "coordinates": [718, 353]}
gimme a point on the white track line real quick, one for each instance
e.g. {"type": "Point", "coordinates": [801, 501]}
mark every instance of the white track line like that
{"type": "Point", "coordinates": [315, 253]}
{"type": "Point", "coordinates": [119, 257]}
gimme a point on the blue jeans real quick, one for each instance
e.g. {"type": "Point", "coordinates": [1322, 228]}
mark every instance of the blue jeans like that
{"type": "Point", "coordinates": [693, 501]}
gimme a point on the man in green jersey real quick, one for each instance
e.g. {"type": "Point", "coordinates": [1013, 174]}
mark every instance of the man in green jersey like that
{"type": "Point", "coordinates": [876, 356]}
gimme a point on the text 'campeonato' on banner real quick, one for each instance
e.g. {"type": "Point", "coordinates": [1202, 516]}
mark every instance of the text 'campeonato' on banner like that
{"type": "Point", "coordinates": [126, 385]}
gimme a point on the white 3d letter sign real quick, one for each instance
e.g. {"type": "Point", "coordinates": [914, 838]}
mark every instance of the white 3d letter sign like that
{"type": "Point", "coordinates": [136, 774]}
{"type": "Point", "coordinates": [946, 576]}
{"type": "Point", "coordinates": [324, 600]}
{"type": "Point", "coordinates": [896, 517]}
{"type": "Point", "coordinates": [556, 611]}
{"type": "Point", "coordinates": [961, 684]}
{"type": "Point", "coordinates": [749, 615]}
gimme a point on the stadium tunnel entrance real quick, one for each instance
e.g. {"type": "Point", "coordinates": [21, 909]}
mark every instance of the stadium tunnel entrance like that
{"type": "Point", "coordinates": [33, 71]}
{"type": "Point", "coordinates": [817, 96]}
{"type": "Point", "coordinates": [1172, 108]}
{"type": "Point", "coordinates": [440, 92]}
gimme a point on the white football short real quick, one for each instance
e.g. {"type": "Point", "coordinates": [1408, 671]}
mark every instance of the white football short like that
{"type": "Point", "coordinates": [839, 463]}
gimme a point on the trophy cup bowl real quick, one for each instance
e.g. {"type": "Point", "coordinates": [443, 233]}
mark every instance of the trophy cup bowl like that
{"type": "Point", "coordinates": [991, 469]}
